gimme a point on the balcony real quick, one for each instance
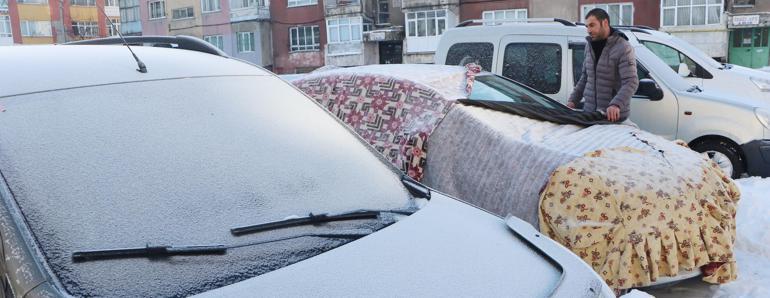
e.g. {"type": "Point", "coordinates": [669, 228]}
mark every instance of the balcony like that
{"type": "Point", "coordinates": [244, 10]}
{"type": "Point", "coordinates": [422, 4]}
{"type": "Point", "coordinates": [342, 7]}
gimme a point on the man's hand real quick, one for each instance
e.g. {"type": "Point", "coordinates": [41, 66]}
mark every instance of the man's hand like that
{"type": "Point", "coordinates": [570, 105]}
{"type": "Point", "coordinates": [613, 113]}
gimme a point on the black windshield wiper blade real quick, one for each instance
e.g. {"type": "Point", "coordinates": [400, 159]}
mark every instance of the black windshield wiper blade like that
{"type": "Point", "coordinates": [313, 219]}
{"type": "Point", "coordinates": [148, 252]}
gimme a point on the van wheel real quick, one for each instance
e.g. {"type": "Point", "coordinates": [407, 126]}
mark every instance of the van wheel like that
{"type": "Point", "coordinates": [726, 155]}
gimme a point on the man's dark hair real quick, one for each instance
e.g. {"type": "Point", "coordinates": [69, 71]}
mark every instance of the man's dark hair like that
{"type": "Point", "coordinates": [599, 14]}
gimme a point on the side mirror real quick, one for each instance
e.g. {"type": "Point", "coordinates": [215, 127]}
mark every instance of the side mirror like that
{"type": "Point", "coordinates": [684, 70]}
{"type": "Point", "coordinates": [650, 90]}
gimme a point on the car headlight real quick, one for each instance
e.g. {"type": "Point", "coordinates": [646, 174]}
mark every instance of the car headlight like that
{"type": "Point", "coordinates": [763, 116]}
{"type": "Point", "coordinates": [762, 84]}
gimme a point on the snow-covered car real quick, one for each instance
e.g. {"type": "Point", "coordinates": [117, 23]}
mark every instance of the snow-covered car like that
{"type": "Point", "coordinates": [206, 175]}
{"type": "Point", "coordinates": [733, 129]}
{"type": "Point", "coordinates": [604, 191]}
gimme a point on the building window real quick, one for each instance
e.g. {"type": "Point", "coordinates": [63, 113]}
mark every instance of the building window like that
{"type": "Point", "coordinates": [85, 29]}
{"type": "Point", "coordinates": [182, 13]}
{"type": "Point", "coordinates": [238, 4]}
{"type": "Point", "coordinates": [537, 65]}
{"type": "Point", "coordinates": [210, 5]}
{"type": "Point", "coordinates": [343, 30]}
{"type": "Point", "coordinates": [426, 23]}
{"type": "Point", "coordinates": [691, 12]}
{"type": "Point", "coordinates": [157, 10]}
{"type": "Point", "coordinates": [305, 38]}
{"type": "Point", "coordinates": [111, 3]}
{"type": "Point", "coordinates": [490, 16]}
{"type": "Point", "coordinates": [83, 2]}
{"type": "Point", "coordinates": [3, 5]}
{"type": "Point", "coordinates": [217, 40]}
{"type": "Point", "coordinates": [245, 42]}
{"type": "Point", "coordinates": [383, 12]}
{"type": "Point", "coordinates": [35, 28]}
{"type": "Point", "coordinates": [743, 3]}
{"type": "Point", "coordinates": [621, 14]}
{"type": "Point", "coordinates": [129, 11]}
{"type": "Point", "coordinates": [112, 31]}
{"type": "Point", "coordinates": [5, 26]}
{"type": "Point", "coordinates": [295, 3]}
{"type": "Point", "coordinates": [32, 1]}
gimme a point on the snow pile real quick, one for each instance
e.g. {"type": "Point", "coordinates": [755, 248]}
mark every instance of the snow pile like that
{"type": "Point", "coordinates": [637, 294]}
{"type": "Point", "coordinates": [752, 247]}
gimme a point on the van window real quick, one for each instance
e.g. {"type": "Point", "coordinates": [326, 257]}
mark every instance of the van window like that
{"type": "Point", "coordinates": [471, 52]}
{"type": "Point", "coordinates": [537, 65]}
{"type": "Point", "coordinates": [673, 58]}
{"type": "Point", "coordinates": [578, 57]}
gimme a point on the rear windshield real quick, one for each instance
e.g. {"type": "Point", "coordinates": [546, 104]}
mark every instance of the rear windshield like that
{"type": "Point", "coordinates": [180, 162]}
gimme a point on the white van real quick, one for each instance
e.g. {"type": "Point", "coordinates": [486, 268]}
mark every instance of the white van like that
{"type": "Point", "coordinates": [734, 130]}
{"type": "Point", "coordinates": [698, 68]}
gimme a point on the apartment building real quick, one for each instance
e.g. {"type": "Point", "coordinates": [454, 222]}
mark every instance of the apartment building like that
{"type": "Point", "coordinates": [749, 23]}
{"type": "Point", "coordinates": [44, 22]}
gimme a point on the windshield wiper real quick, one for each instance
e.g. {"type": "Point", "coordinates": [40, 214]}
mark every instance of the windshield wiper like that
{"type": "Point", "coordinates": [148, 251]}
{"type": "Point", "coordinates": [167, 251]}
{"type": "Point", "coordinates": [694, 89]}
{"type": "Point", "coordinates": [314, 219]}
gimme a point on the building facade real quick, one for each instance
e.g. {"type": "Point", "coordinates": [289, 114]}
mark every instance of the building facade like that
{"type": "Point", "coordinates": [44, 22]}
{"type": "Point", "coordinates": [701, 23]}
{"type": "Point", "coordinates": [749, 23]}
{"type": "Point", "coordinates": [298, 34]}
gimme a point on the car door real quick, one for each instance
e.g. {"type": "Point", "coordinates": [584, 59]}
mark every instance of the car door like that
{"type": "Point", "coordinates": [536, 61]}
{"type": "Point", "coordinates": [656, 116]}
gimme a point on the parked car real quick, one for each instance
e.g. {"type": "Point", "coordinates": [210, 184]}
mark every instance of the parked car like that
{"type": "Point", "coordinates": [732, 129]}
{"type": "Point", "coordinates": [197, 177]}
{"type": "Point", "coordinates": [509, 149]}
{"type": "Point", "coordinates": [698, 68]}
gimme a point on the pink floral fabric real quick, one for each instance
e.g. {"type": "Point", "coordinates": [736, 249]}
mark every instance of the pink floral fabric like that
{"type": "Point", "coordinates": [395, 116]}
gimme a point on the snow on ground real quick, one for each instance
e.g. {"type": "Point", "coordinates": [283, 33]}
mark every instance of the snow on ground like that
{"type": "Point", "coordinates": [752, 250]}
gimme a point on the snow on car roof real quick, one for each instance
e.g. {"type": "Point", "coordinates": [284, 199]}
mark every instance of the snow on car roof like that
{"type": "Point", "coordinates": [50, 67]}
{"type": "Point", "coordinates": [447, 80]}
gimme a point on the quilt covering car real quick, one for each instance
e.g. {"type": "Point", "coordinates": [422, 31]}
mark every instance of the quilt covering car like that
{"type": "Point", "coordinates": [631, 204]}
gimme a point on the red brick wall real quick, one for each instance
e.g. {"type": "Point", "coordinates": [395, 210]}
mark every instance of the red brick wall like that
{"type": "Point", "coordinates": [284, 18]}
{"type": "Point", "coordinates": [13, 12]}
{"type": "Point", "coordinates": [646, 12]}
{"type": "Point", "coordinates": [472, 9]}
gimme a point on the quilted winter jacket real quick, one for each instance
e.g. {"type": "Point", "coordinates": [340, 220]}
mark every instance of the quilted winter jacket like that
{"type": "Point", "coordinates": [610, 79]}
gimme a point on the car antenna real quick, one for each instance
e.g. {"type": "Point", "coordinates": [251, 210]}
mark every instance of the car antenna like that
{"type": "Point", "coordinates": [142, 68]}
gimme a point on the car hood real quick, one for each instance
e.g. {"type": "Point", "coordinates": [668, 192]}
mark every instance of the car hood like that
{"type": "Point", "coordinates": [446, 248]}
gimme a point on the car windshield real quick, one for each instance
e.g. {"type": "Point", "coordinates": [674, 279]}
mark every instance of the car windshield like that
{"type": "Point", "coordinates": [180, 162]}
{"type": "Point", "coordinates": [692, 50]}
{"type": "Point", "coordinates": [496, 88]}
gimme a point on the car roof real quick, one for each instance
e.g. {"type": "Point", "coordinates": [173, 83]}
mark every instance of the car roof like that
{"type": "Point", "coordinates": [447, 80]}
{"type": "Point", "coordinates": [519, 28]}
{"type": "Point", "coordinates": [74, 66]}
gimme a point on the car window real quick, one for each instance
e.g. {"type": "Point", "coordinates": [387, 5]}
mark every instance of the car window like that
{"type": "Point", "coordinates": [180, 162]}
{"type": "Point", "coordinates": [672, 57]}
{"type": "Point", "coordinates": [578, 57]}
{"type": "Point", "coordinates": [471, 52]}
{"type": "Point", "coordinates": [496, 88]}
{"type": "Point", "coordinates": [537, 65]}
